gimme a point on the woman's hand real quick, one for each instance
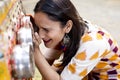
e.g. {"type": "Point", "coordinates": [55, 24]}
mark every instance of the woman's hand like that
{"type": "Point", "coordinates": [35, 33]}
{"type": "Point", "coordinates": [36, 40]}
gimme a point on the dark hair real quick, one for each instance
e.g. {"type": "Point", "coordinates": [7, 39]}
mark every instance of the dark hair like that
{"type": "Point", "coordinates": [64, 10]}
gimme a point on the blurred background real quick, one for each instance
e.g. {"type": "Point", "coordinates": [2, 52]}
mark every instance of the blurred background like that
{"type": "Point", "coordinates": [105, 13]}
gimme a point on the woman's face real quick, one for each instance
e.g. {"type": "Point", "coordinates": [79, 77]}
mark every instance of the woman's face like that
{"type": "Point", "coordinates": [50, 31]}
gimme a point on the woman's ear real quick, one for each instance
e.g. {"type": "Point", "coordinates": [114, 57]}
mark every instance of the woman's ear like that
{"type": "Point", "coordinates": [68, 26]}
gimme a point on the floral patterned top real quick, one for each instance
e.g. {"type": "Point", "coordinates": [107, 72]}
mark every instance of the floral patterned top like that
{"type": "Point", "coordinates": [98, 57]}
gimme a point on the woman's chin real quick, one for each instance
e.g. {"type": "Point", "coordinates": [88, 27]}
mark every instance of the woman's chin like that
{"type": "Point", "coordinates": [48, 46]}
{"type": "Point", "coordinates": [53, 47]}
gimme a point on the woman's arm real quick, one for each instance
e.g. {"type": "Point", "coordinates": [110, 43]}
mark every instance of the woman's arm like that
{"type": "Point", "coordinates": [49, 54]}
{"type": "Point", "coordinates": [43, 66]}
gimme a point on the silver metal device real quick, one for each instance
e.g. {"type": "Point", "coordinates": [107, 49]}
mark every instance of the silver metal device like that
{"type": "Point", "coordinates": [22, 57]}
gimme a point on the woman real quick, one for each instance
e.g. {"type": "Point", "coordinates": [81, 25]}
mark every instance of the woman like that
{"type": "Point", "coordinates": [82, 49]}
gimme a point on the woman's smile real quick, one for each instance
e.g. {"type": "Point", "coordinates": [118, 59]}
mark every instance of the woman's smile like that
{"type": "Point", "coordinates": [47, 41]}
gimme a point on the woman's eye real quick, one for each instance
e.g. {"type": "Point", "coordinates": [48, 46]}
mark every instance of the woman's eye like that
{"type": "Point", "coordinates": [46, 30]}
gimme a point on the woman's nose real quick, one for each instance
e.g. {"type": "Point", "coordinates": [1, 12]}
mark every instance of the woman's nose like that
{"type": "Point", "coordinates": [41, 33]}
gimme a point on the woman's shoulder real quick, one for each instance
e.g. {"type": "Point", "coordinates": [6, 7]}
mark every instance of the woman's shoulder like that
{"type": "Point", "coordinates": [97, 35]}
{"type": "Point", "coordinates": [94, 27]}
{"type": "Point", "coordinates": [94, 30]}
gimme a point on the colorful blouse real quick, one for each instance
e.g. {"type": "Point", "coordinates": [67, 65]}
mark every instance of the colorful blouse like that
{"type": "Point", "coordinates": [98, 57]}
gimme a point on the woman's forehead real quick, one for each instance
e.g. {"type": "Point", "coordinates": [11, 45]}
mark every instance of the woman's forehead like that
{"type": "Point", "coordinates": [41, 19]}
